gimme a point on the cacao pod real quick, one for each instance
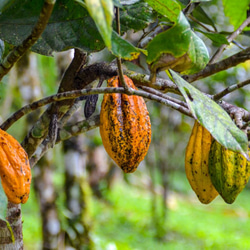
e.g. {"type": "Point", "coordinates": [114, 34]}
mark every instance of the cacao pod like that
{"type": "Point", "coordinates": [125, 127]}
{"type": "Point", "coordinates": [196, 163]}
{"type": "Point", "coordinates": [15, 170]}
{"type": "Point", "coordinates": [229, 171]}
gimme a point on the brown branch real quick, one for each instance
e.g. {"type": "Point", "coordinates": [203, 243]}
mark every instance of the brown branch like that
{"type": "Point", "coordinates": [240, 115]}
{"type": "Point", "coordinates": [18, 51]}
{"type": "Point", "coordinates": [40, 129]}
{"type": "Point", "coordinates": [227, 63]}
{"type": "Point", "coordinates": [66, 133]}
{"type": "Point", "coordinates": [230, 89]}
{"type": "Point", "coordinates": [161, 84]}
{"type": "Point", "coordinates": [77, 93]}
{"type": "Point", "coordinates": [229, 39]}
{"type": "Point", "coordinates": [160, 94]}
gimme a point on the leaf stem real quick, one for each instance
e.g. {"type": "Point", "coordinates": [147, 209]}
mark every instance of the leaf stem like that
{"type": "Point", "coordinates": [18, 51]}
{"type": "Point", "coordinates": [118, 59]}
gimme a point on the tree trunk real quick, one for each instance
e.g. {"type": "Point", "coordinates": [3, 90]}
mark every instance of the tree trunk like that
{"type": "Point", "coordinates": [7, 240]}
{"type": "Point", "coordinates": [77, 195]}
{"type": "Point", "coordinates": [47, 200]}
{"type": "Point", "coordinates": [30, 88]}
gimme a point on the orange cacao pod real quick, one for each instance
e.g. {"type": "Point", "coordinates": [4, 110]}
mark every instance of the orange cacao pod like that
{"type": "Point", "coordinates": [15, 170]}
{"type": "Point", "coordinates": [125, 127]}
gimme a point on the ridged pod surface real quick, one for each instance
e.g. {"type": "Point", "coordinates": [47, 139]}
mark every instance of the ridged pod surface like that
{"type": "Point", "coordinates": [196, 163]}
{"type": "Point", "coordinates": [229, 171]}
{"type": "Point", "coordinates": [125, 127]}
{"type": "Point", "coordinates": [14, 169]}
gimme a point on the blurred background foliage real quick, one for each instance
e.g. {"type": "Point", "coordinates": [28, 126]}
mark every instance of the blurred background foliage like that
{"type": "Point", "coordinates": [154, 208]}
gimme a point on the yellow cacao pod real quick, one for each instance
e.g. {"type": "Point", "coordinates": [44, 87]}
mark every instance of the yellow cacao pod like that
{"type": "Point", "coordinates": [229, 171]}
{"type": "Point", "coordinates": [125, 127]}
{"type": "Point", "coordinates": [14, 169]}
{"type": "Point", "coordinates": [196, 163]}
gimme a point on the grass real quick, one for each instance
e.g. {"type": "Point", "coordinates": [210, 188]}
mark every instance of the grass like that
{"type": "Point", "coordinates": [125, 222]}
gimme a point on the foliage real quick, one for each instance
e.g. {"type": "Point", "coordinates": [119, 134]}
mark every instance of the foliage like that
{"type": "Point", "coordinates": [164, 35]}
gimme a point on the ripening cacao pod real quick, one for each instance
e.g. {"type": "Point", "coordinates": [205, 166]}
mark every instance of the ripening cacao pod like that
{"type": "Point", "coordinates": [125, 127]}
{"type": "Point", "coordinates": [15, 170]}
{"type": "Point", "coordinates": [229, 171]}
{"type": "Point", "coordinates": [196, 163]}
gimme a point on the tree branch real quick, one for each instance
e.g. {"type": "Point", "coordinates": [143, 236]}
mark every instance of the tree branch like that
{"type": "Point", "coordinates": [77, 93]}
{"type": "Point", "coordinates": [227, 63]}
{"type": "Point", "coordinates": [230, 89]}
{"type": "Point", "coordinates": [18, 51]}
{"type": "Point", "coordinates": [229, 39]}
{"type": "Point", "coordinates": [66, 133]}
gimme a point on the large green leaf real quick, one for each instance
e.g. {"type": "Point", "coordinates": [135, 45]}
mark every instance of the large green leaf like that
{"type": "Point", "coordinates": [102, 13]}
{"type": "Point", "coordinates": [212, 117]}
{"type": "Point", "coordinates": [188, 52]}
{"type": "Point", "coordinates": [169, 8]}
{"type": "Point", "coordinates": [70, 25]}
{"type": "Point", "coordinates": [3, 203]}
{"type": "Point", "coordinates": [236, 11]}
{"type": "Point", "coordinates": [175, 40]}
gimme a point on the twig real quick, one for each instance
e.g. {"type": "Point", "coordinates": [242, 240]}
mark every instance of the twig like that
{"type": "Point", "coordinates": [240, 115]}
{"type": "Point", "coordinates": [76, 93]}
{"type": "Point", "coordinates": [65, 133]}
{"type": "Point", "coordinates": [118, 59]}
{"type": "Point", "coordinates": [201, 24]}
{"type": "Point", "coordinates": [227, 63]}
{"type": "Point", "coordinates": [230, 89]}
{"type": "Point", "coordinates": [160, 94]}
{"type": "Point", "coordinates": [18, 51]}
{"type": "Point", "coordinates": [229, 39]}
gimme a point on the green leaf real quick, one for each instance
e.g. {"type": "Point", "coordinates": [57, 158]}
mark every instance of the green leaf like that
{"type": "Point", "coordinates": [174, 40]}
{"type": "Point", "coordinates": [177, 48]}
{"type": "Point", "coordinates": [212, 117]}
{"type": "Point", "coordinates": [218, 39]}
{"type": "Point", "coordinates": [102, 13]}
{"type": "Point", "coordinates": [202, 16]}
{"type": "Point", "coordinates": [70, 25]}
{"type": "Point", "coordinates": [169, 8]}
{"type": "Point", "coordinates": [124, 49]}
{"type": "Point", "coordinates": [136, 16]}
{"type": "Point", "coordinates": [198, 55]}
{"type": "Point", "coordinates": [236, 11]}
{"type": "Point", "coordinates": [3, 203]}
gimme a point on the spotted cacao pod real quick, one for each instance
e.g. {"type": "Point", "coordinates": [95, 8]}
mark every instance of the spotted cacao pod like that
{"type": "Point", "coordinates": [229, 171]}
{"type": "Point", "coordinates": [125, 127]}
{"type": "Point", "coordinates": [15, 170]}
{"type": "Point", "coordinates": [196, 164]}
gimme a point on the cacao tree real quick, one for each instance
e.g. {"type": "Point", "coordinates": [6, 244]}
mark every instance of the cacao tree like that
{"type": "Point", "coordinates": [165, 47]}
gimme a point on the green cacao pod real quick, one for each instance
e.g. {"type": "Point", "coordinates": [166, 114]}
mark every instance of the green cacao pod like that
{"type": "Point", "coordinates": [196, 164]}
{"type": "Point", "coordinates": [125, 127]}
{"type": "Point", "coordinates": [229, 171]}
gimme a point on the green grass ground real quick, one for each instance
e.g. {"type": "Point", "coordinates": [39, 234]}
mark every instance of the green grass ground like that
{"type": "Point", "coordinates": [126, 223]}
